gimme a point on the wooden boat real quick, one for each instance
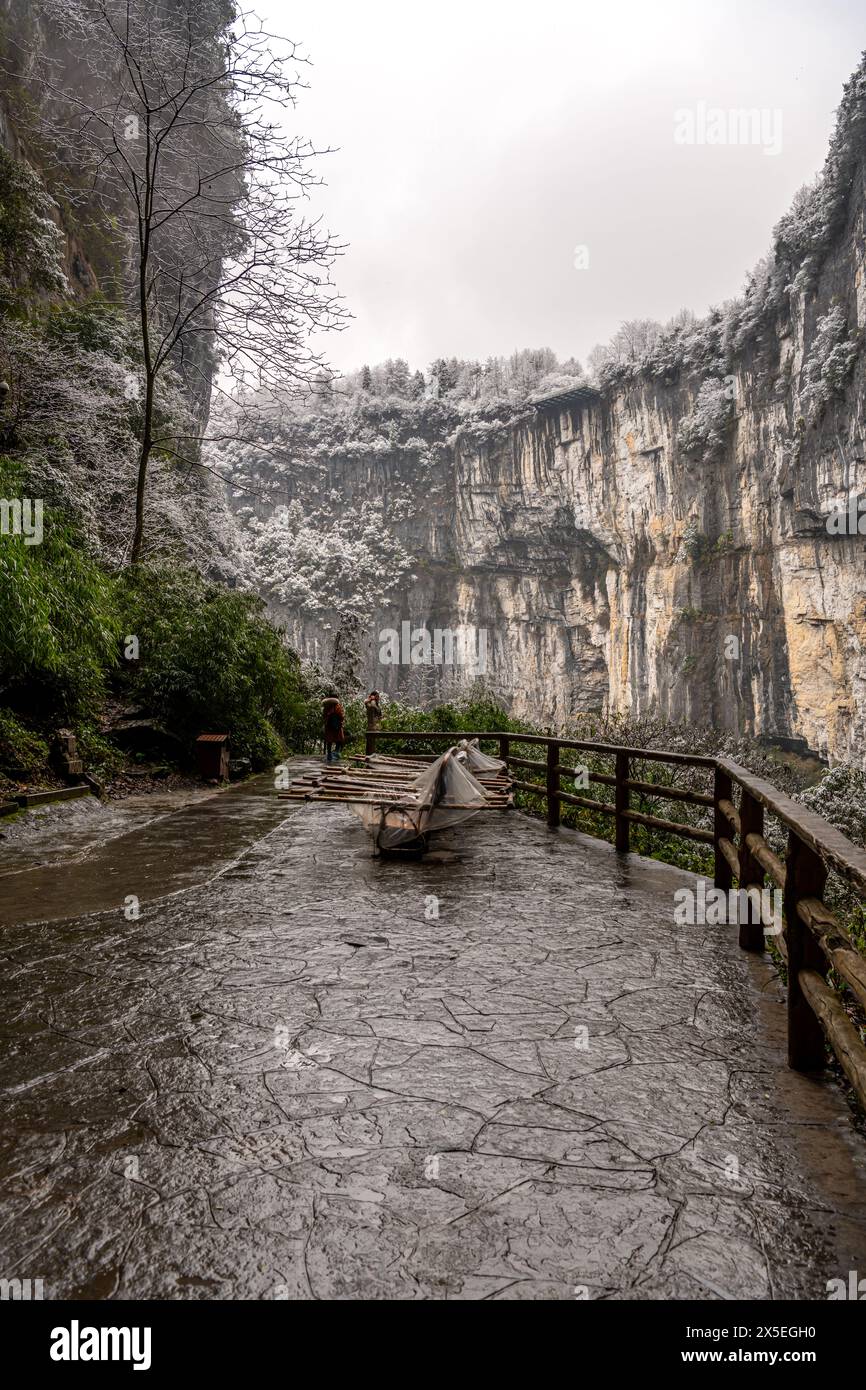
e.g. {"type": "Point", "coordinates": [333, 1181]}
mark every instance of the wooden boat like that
{"type": "Point", "coordinates": [402, 802]}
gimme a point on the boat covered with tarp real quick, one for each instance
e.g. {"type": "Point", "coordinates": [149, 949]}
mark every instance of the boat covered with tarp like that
{"type": "Point", "coordinates": [403, 801]}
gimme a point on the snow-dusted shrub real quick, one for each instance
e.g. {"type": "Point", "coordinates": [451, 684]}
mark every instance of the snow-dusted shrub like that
{"type": "Point", "coordinates": [818, 212]}
{"type": "Point", "coordinates": [704, 432]}
{"type": "Point", "coordinates": [830, 362]}
{"type": "Point", "coordinates": [629, 351]}
{"type": "Point", "coordinates": [693, 545]}
{"type": "Point", "coordinates": [840, 797]}
{"type": "Point", "coordinates": [31, 243]}
{"type": "Point", "coordinates": [330, 559]}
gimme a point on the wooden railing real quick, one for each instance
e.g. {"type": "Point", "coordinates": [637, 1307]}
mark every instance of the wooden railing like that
{"type": "Point", "coordinates": [813, 942]}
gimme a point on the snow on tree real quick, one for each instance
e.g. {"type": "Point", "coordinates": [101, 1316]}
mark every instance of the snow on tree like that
{"type": "Point", "coordinates": [176, 135]}
{"type": "Point", "coordinates": [31, 243]}
{"type": "Point", "coordinates": [397, 377]}
{"type": "Point", "coordinates": [327, 560]}
{"type": "Point", "coordinates": [830, 361]}
{"type": "Point", "coordinates": [705, 430]}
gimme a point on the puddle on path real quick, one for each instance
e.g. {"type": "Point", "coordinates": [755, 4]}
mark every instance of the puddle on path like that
{"type": "Point", "coordinates": [90, 867]}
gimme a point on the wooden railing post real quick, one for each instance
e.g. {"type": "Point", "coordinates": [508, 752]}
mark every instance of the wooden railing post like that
{"type": "Point", "coordinates": [805, 877]}
{"type": "Point", "coordinates": [553, 785]}
{"type": "Point", "coordinates": [504, 747]}
{"type": "Point", "coordinates": [723, 790]}
{"type": "Point", "coordinates": [621, 802]}
{"type": "Point", "coordinates": [751, 874]}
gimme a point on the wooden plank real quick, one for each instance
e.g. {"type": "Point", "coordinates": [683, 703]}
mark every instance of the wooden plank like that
{"type": "Point", "coordinates": [805, 878]}
{"type": "Point", "coordinates": [770, 862]}
{"type": "Point", "coordinates": [838, 947]}
{"type": "Point", "coordinates": [552, 785]}
{"type": "Point", "coordinates": [725, 865]}
{"type": "Point", "coordinates": [688, 832]}
{"type": "Point", "coordinates": [621, 802]}
{"type": "Point", "coordinates": [731, 858]}
{"type": "Point", "coordinates": [826, 1006]}
{"type": "Point", "coordinates": [835, 849]}
{"type": "Point", "coordinates": [389, 804]}
{"type": "Point", "coordinates": [587, 803]}
{"type": "Point", "coordinates": [751, 937]}
{"type": "Point", "coordinates": [538, 788]}
{"type": "Point", "coordinates": [671, 793]}
{"type": "Point", "coordinates": [387, 788]}
{"type": "Point", "coordinates": [57, 794]}
{"type": "Point", "coordinates": [605, 779]}
{"type": "Point", "coordinates": [607, 749]}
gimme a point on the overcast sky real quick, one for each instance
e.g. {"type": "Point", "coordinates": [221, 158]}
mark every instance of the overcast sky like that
{"type": "Point", "coordinates": [481, 141]}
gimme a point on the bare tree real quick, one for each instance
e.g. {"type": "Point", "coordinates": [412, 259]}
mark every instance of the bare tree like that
{"type": "Point", "coordinates": [176, 112]}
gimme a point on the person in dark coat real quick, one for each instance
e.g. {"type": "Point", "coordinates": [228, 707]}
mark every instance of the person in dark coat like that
{"type": "Point", "coordinates": [333, 718]}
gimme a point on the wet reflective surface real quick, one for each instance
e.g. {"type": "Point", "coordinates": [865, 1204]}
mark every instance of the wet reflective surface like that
{"type": "Point", "coordinates": [291, 1079]}
{"type": "Point", "coordinates": [149, 849]}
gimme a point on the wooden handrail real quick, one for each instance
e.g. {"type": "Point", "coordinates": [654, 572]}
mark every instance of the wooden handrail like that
{"type": "Point", "coordinates": [836, 851]}
{"type": "Point", "coordinates": [611, 749]}
{"type": "Point", "coordinates": [814, 941]}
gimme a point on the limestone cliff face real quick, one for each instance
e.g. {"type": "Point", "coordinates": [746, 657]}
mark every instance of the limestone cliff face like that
{"type": "Point", "coordinates": [656, 560]}
{"type": "Point", "coordinates": [615, 568]}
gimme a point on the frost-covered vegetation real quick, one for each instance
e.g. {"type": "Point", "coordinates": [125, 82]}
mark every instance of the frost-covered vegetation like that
{"type": "Point", "coordinates": [31, 244]}
{"type": "Point", "coordinates": [464, 385]}
{"type": "Point", "coordinates": [801, 241]}
{"type": "Point", "coordinates": [70, 422]}
{"type": "Point", "coordinates": [704, 432]}
{"type": "Point", "coordinates": [307, 545]}
{"type": "Point", "coordinates": [831, 360]}
{"type": "Point", "coordinates": [328, 559]}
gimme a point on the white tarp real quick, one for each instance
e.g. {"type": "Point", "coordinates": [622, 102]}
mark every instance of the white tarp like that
{"type": "Point", "coordinates": [443, 794]}
{"type": "Point", "coordinates": [478, 761]}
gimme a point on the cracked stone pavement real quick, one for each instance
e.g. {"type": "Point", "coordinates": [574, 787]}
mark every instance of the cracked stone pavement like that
{"type": "Point", "coordinates": [290, 1082]}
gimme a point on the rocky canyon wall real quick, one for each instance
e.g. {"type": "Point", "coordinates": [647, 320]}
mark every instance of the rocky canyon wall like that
{"type": "Point", "coordinates": [622, 554]}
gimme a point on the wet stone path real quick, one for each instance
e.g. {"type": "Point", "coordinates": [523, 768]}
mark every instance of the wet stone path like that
{"type": "Point", "coordinates": [293, 1081]}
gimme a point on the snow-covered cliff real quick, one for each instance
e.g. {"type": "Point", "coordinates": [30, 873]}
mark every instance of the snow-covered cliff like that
{"type": "Point", "coordinates": [659, 544]}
